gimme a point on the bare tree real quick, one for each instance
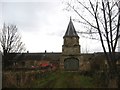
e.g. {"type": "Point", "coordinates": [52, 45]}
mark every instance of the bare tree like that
{"type": "Point", "coordinates": [101, 18]}
{"type": "Point", "coordinates": [10, 40]}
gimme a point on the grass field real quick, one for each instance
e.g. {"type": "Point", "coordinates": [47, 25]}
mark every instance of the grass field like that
{"type": "Point", "coordinates": [64, 80]}
{"type": "Point", "coordinates": [53, 80]}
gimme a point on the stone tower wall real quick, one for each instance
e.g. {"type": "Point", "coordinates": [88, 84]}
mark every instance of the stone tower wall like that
{"type": "Point", "coordinates": [70, 58]}
{"type": "Point", "coordinates": [70, 49]}
{"type": "Point", "coordinates": [71, 46]}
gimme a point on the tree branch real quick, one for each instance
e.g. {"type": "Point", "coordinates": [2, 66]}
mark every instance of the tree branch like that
{"type": "Point", "coordinates": [110, 25]}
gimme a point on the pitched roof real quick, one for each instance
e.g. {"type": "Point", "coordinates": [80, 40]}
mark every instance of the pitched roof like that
{"type": "Point", "coordinates": [71, 30]}
{"type": "Point", "coordinates": [34, 56]}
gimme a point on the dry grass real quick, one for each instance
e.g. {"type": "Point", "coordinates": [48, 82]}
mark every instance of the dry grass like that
{"type": "Point", "coordinates": [37, 79]}
{"type": "Point", "coordinates": [19, 79]}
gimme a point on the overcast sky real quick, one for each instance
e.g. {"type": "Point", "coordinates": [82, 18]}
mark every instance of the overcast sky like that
{"type": "Point", "coordinates": [42, 24]}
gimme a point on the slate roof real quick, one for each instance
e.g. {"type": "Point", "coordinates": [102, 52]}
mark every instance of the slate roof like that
{"type": "Point", "coordinates": [55, 57]}
{"type": "Point", "coordinates": [34, 56]}
{"type": "Point", "coordinates": [71, 30]}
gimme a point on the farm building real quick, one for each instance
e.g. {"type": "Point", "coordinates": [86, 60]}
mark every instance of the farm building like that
{"type": "Point", "coordinates": [70, 58]}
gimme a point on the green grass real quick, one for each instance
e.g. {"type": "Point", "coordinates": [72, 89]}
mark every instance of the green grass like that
{"type": "Point", "coordinates": [64, 80]}
{"type": "Point", "coordinates": [60, 79]}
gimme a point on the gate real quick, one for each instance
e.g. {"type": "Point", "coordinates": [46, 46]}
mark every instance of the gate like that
{"type": "Point", "coordinates": [71, 64]}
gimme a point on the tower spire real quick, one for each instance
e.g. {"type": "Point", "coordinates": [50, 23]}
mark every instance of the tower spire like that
{"type": "Point", "coordinates": [70, 29]}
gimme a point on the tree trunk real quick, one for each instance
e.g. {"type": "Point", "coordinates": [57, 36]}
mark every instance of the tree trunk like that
{"type": "Point", "coordinates": [113, 76]}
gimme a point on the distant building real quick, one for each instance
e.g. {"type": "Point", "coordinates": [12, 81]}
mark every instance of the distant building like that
{"type": "Point", "coordinates": [70, 59]}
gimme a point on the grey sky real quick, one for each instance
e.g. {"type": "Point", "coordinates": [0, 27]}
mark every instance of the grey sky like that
{"type": "Point", "coordinates": [42, 24]}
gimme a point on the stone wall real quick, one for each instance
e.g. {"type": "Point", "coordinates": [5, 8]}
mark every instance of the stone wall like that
{"type": "Point", "coordinates": [63, 57]}
{"type": "Point", "coordinates": [69, 50]}
{"type": "Point", "coordinates": [30, 63]}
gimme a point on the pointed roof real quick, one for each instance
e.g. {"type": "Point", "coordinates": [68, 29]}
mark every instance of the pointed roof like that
{"type": "Point", "coordinates": [71, 30]}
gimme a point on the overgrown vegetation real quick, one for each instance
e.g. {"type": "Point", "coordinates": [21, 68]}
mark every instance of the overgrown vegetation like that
{"type": "Point", "coordinates": [37, 79]}
{"type": "Point", "coordinates": [55, 79]}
